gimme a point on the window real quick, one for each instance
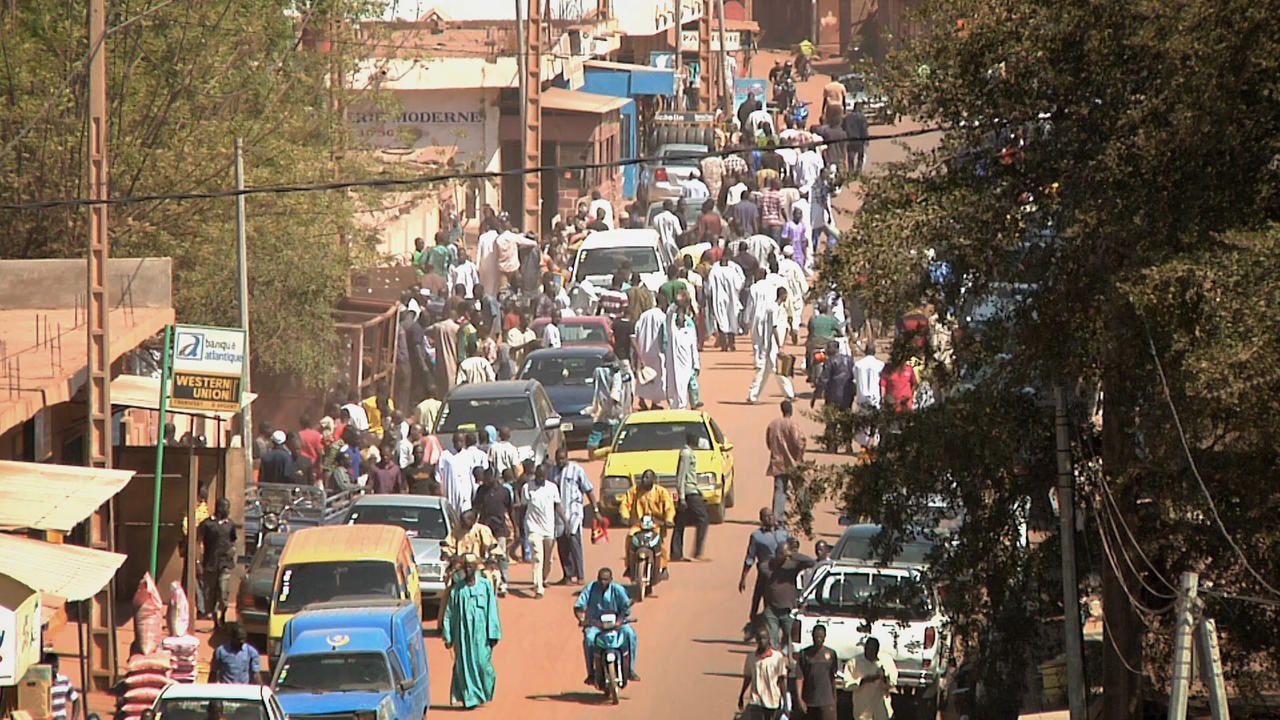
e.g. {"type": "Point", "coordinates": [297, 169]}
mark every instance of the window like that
{"type": "Point", "coordinates": [564, 371]}
{"type": "Point", "coordinates": [514, 412]}
{"type": "Point", "coordinates": [860, 593]}
{"type": "Point", "coordinates": [334, 672]}
{"type": "Point", "coordinates": [421, 522]}
{"type": "Point", "coordinates": [639, 437]}
{"type": "Point", "coordinates": [607, 260]}
{"type": "Point", "coordinates": [197, 709]}
{"type": "Point", "coordinates": [306, 583]}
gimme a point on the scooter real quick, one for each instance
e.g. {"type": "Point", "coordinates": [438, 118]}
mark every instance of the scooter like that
{"type": "Point", "coordinates": [610, 659]}
{"type": "Point", "coordinates": [646, 558]}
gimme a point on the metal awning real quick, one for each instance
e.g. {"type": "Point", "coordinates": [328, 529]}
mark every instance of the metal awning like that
{"type": "Point", "coordinates": [54, 497]}
{"type": "Point", "coordinates": [140, 391]}
{"type": "Point", "coordinates": [578, 101]}
{"type": "Point", "coordinates": [68, 571]}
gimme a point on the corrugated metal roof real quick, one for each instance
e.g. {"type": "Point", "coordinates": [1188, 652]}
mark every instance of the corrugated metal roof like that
{"type": "Point", "coordinates": [68, 571]}
{"type": "Point", "coordinates": [54, 497]}
{"type": "Point", "coordinates": [578, 101]}
{"type": "Point", "coordinates": [440, 73]}
{"type": "Point", "coordinates": [137, 391]}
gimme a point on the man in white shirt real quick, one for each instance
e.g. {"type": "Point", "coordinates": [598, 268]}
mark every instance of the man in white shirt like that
{"type": "Point", "coordinates": [761, 123]}
{"type": "Point", "coordinates": [694, 191]}
{"type": "Point", "coordinates": [764, 674]}
{"type": "Point", "coordinates": [667, 224]}
{"type": "Point", "coordinates": [598, 203]}
{"type": "Point", "coordinates": [866, 379]}
{"type": "Point", "coordinates": [808, 168]}
{"type": "Point", "coordinates": [736, 191]}
{"type": "Point", "coordinates": [503, 454]}
{"type": "Point", "coordinates": [551, 333]}
{"type": "Point", "coordinates": [871, 675]}
{"type": "Point", "coordinates": [475, 369]}
{"type": "Point", "coordinates": [355, 411]}
{"type": "Point", "coordinates": [768, 333]}
{"type": "Point", "coordinates": [486, 258]}
{"type": "Point", "coordinates": [454, 473]}
{"type": "Point", "coordinates": [464, 273]}
{"type": "Point", "coordinates": [542, 507]}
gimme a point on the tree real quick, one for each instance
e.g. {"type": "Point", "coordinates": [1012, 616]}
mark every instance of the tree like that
{"type": "Point", "coordinates": [1102, 198]}
{"type": "Point", "coordinates": [186, 79]}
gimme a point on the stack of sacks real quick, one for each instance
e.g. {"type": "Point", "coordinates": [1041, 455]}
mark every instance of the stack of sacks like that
{"type": "Point", "coordinates": [145, 677]}
{"type": "Point", "coordinates": [183, 646]}
{"type": "Point", "coordinates": [148, 616]}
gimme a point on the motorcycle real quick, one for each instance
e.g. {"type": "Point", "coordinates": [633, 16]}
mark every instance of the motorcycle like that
{"type": "Point", "coordinates": [646, 558]}
{"type": "Point", "coordinates": [784, 94]}
{"type": "Point", "coordinates": [275, 518]}
{"type": "Point", "coordinates": [610, 658]}
{"type": "Point", "coordinates": [493, 568]}
{"type": "Point", "coordinates": [800, 114]}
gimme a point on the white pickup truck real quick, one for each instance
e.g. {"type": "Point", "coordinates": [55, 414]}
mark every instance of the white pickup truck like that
{"type": "Point", "coordinates": [908, 622]}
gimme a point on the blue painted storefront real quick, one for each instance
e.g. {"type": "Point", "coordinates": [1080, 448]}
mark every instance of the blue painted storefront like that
{"type": "Point", "coordinates": [628, 81]}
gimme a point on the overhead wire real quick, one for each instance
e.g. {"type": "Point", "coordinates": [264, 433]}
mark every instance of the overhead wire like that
{"type": "Point", "coordinates": [1113, 508]}
{"type": "Point", "coordinates": [415, 181]}
{"type": "Point", "coordinates": [1195, 471]}
{"type": "Point", "coordinates": [1144, 612]}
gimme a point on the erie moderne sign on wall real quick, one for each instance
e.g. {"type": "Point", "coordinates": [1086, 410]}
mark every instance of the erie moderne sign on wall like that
{"type": "Point", "coordinates": [207, 366]}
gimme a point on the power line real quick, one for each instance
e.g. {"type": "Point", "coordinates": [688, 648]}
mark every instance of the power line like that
{"type": "Point", "coordinates": [1195, 471]}
{"type": "Point", "coordinates": [389, 183]}
{"type": "Point", "coordinates": [1116, 517]}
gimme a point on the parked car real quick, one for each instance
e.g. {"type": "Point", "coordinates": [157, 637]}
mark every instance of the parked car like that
{"type": "Point", "coordinates": [858, 596]}
{"type": "Point", "coordinates": [521, 405]}
{"type": "Point", "coordinates": [253, 602]}
{"type": "Point", "coordinates": [354, 660]}
{"type": "Point", "coordinates": [425, 519]}
{"type": "Point", "coordinates": [664, 178]}
{"type": "Point", "coordinates": [602, 254]}
{"type": "Point", "coordinates": [652, 440]}
{"type": "Point", "coordinates": [874, 107]}
{"type": "Point", "coordinates": [242, 702]}
{"type": "Point", "coordinates": [568, 375]}
{"type": "Point", "coordinates": [580, 331]}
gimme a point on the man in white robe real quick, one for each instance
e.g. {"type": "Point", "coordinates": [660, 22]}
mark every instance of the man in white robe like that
{"type": "Point", "coordinates": [681, 355]}
{"type": "Point", "coordinates": [487, 259]}
{"type": "Point", "coordinates": [724, 301]}
{"type": "Point", "coordinates": [761, 247]}
{"type": "Point", "coordinates": [650, 358]}
{"type": "Point", "coordinates": [797, 288]}
{"type": "Point", "coordinates": [454, 473]}
{"type": "Point", "coordinates": [768, 333]}
{"type": "Point", "coordinates": [764, 292]}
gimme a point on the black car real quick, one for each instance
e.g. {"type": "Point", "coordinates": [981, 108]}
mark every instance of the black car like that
{"type": "Point", "coordinates": [567, 373]}
{"type": "Point", "coordinates": [253, 602]}
{"type": "Point", "coordinates": [521, 405]}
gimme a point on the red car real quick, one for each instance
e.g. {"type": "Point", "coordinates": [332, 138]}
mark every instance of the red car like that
{"type": "Point", "coordinates": [578, 330]}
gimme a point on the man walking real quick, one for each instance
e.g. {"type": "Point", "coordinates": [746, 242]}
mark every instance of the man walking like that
{"type": "Point", "coordinates": [236, 661]}
{"type": "Point", "coordinates": [651, 365]}
{"type": "Point", "coordinates": [871, 676]}
{"type": "Point", "coordinates": [867, 372]}
{"type": "Point", "coordinates": [816, 681]}
{"type": "Point", "coordinates": [691, 507]}
{"type": "Point", "coordinates": [495, 510]}
{"type": "Point", "coordinates": [218, 536]}
{"type": "Point", "coordinates": [786, 442]}
{"type": "Point", "coordinates": [574, 489]}
{"type": "Point", "coordinates": [761, 547]}
{"type": "Point", "coordinates": [780, 591]}
{"type": "Point", "coordinates": [471, 629]}
{"type": "Point", "coordinates": [724, 292]}
{"type": "Point", "coordinates": [64, 699]}
{"type": "Point", "coordinates": [542, 512]}
{"type": "Point", "coordinates": [768, 333]}
{"type": "Point", "coordinates": [765, 674]}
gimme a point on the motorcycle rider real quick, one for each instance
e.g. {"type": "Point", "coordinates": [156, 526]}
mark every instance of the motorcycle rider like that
{"type": "Point", "coordinates": [468, 537]}
{"type": "Point", "coordinates": [598, 598]}
{"type": "Point", "coordinates": [646, 497]}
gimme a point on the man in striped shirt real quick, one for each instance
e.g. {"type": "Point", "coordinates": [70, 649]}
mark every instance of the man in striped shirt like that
{"type": "Point", "coordinates": [63, 698]}
{"type": "Point", "coordinates": [613, 302]}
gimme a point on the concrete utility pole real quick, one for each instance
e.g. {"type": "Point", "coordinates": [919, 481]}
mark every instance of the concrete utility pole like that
{"type": "Point", "coordinates": [709, 87]}
{"type": "Point", "coordinates": [1182, 630]}
{"type": "Point", "coordinates": [242, 267]}
{"type": "Point", "coordinates": [678, 59]}
{"type": "Point", "coordinates": [726, 82]}
{"type": "Point", "coordinates": [102, 634]}
{"type": "Point", "coordinates": [1211, 668]}
{"type": "Point", "coordinates": [1073, 640]}
{"type": "Point", "coordinates": [531, 114]}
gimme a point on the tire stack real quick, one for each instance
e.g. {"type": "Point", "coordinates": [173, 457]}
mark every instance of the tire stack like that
{"type": "Point", "coordinates": [683, 134]}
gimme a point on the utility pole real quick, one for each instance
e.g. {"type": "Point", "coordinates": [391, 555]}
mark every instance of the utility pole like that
{"type": "Point", "coordinates": [242, 267]}
{"type": "Point", "coordinates": [531, 115]}
{"type": "Point", "coordinates": [1073, 640]}
{"type": "Point", "coordinates": [726, 81]}
{"type": "Point", "coordinates": [1211, 668]}
{"type": "Point", "coordinates": [1183, 627]}
{"type": "Point", "coordinates": [98, 305]}
{"type": "Point", "coordinates": [706, 98]}
{"type": "Point", "coordinates": [678, 60]}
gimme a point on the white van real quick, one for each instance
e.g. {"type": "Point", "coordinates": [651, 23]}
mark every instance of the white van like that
{"type": "Point", "coordinates": [602, 254]}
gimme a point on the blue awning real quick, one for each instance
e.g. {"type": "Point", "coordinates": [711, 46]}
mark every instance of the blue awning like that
{"type": "Point", "coordinates": [642, 79]}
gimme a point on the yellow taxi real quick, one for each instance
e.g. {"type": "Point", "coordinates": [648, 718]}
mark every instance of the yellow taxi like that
{"type": "Point", "coordinates": [651, 440]}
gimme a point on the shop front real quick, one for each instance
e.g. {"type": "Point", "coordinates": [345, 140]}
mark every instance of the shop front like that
{"type": "Point", "coordinates": [651, 88]}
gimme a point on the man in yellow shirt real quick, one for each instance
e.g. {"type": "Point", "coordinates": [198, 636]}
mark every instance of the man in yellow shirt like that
{"type": "Point", "coordinates": [646, 497]}
{"type": "Point", "coordinates": [468, 537]}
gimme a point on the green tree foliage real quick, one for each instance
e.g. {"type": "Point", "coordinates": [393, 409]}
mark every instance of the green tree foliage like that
{"type": "Point", "coordinates": [1110, 170]}
{"type": "Point", "coordinates": [184, 80]}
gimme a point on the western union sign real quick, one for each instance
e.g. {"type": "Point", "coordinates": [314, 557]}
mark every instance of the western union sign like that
{"type": "Point", "coordinates": [202, 391]}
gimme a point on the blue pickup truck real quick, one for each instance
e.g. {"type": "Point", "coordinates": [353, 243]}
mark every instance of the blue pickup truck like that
{"type": "Point", "coordinates": [340, 662]}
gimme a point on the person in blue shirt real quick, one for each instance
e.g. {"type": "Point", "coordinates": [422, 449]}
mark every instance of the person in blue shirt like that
{"type": "Point", "coordinates": [236, 661]}
{"type": "Point", "coordinates": [599, 598]}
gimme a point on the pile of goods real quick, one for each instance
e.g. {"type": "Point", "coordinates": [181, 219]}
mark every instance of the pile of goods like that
{"type": "Point", "coordinates": [158, 660]}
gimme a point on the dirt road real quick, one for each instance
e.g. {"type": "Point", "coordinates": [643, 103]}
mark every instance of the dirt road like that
{"type": "Point", "coordinates": [690, 656]}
